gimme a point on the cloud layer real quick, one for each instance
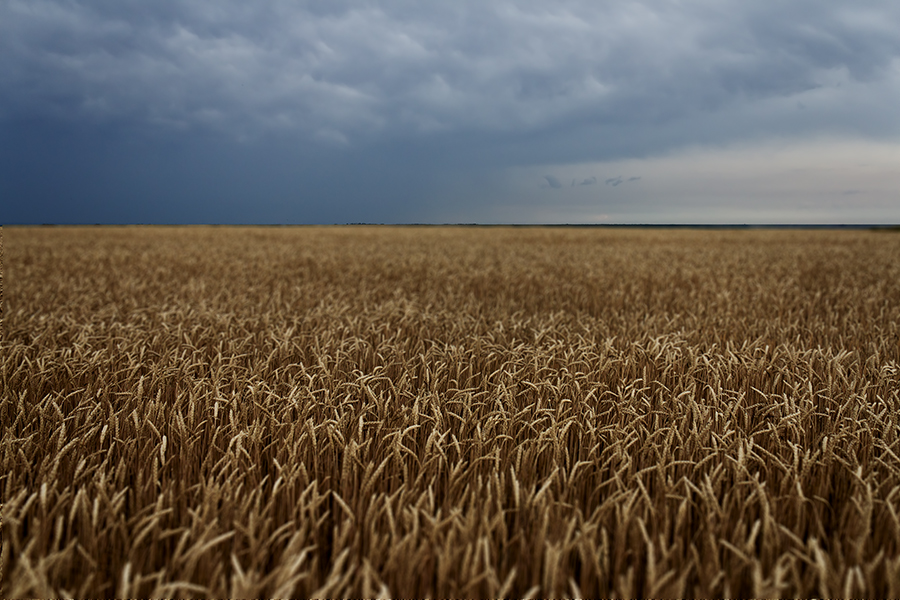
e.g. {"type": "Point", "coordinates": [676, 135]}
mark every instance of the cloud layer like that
{"type": "Point", "coordinates": [343, 71]}
{"type": "Point", "coordinates": [466, 85]}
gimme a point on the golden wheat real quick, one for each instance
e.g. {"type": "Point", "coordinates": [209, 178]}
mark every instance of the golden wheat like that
{"type": "Point", "coordinates": [451, 412]}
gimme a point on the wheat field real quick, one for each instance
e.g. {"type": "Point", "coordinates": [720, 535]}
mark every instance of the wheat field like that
{"type": "Point", "coordinates": [449, 412]}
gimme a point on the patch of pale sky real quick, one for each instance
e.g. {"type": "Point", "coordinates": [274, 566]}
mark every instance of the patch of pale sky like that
{"type": "Point", "coordinates": [821, 180]}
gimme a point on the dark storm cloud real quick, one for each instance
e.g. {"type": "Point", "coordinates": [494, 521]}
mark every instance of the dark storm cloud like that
{"type": "Point", "coordinates": [619, 180]}
{"type": "Point", "coordinates": [338, 72]}
{"type": "Point", "coordinates": [459, 88]}
{"type": "Point", "coordinates": [553, 182]}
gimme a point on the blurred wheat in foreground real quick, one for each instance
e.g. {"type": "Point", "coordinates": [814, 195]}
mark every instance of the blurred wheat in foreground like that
{"type": "Point", "coordinates": [449, 412]}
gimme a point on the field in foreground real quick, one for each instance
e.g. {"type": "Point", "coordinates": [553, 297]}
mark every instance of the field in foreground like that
{"type": "Point", "coordinates": [449, 412]}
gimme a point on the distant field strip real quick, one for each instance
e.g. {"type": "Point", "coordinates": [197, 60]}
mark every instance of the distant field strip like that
{"type": "Point", "coordinates": [449, 412]}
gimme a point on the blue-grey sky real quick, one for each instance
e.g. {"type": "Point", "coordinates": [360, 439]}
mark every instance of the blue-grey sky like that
{"type": "Point", "coordinates": [285, 111]}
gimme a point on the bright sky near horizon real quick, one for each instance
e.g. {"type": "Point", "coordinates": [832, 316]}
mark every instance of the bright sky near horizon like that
{"type": "Point", "coordinates": [572, 111]}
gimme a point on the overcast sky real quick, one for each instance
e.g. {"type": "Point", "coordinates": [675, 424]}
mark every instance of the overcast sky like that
{"type": "Point", "coordinates": [278, 111]}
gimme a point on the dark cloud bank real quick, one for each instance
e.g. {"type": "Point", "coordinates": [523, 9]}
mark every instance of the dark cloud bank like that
{"type": "Point", "coordinates": [226, 111]}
